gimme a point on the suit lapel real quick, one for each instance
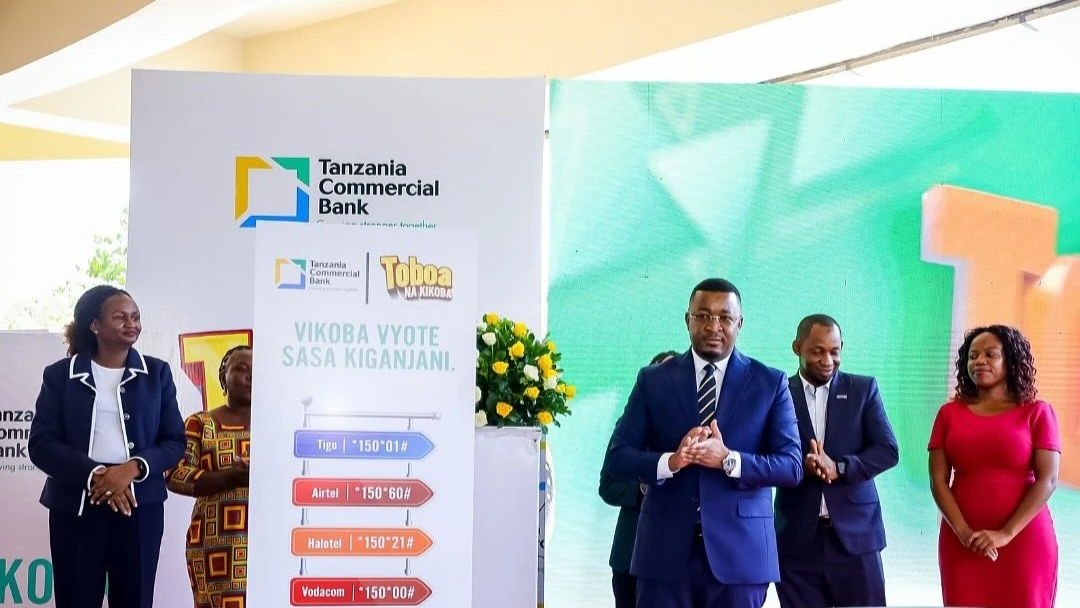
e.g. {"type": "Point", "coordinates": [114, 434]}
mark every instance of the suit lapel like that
{"type": "Point", "coordinates": [802, 410]}
{"type": "Point", "coordinates": [79, 369]}
{"type": "Point", "coordinates": [834, 411]}
{"type": "Point", "coordinates": [685, 380]}
{"type": "Point", "coordinates": [735, 379]}
{"type": "Point", "coordinates": [135, 365]}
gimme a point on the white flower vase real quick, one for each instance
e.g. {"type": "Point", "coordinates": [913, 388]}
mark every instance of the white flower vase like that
{"type": "Point", "coordinates": [506, 516]}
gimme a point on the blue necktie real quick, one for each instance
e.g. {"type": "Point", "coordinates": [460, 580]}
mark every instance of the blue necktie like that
{"type": "Point", "coordinates": [706, 395]}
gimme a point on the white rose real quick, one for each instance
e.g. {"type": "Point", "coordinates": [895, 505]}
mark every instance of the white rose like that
{"type": "Point", "coordinates": [481, 418]}
{"type": "Point", "coordinates": [488, 338]}
{"type": "Point", "coordinates": [478, 396]}
{"type": "Point", "coordinates": [531, 372]}
{"type": "Point", "coordinates": [481, 326]}
{"type": "Point", "coordinates": [551, 383]}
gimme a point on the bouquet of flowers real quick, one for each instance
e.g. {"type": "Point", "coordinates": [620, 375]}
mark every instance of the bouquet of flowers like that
{"type": "Point", "coordinates": [518, 377]}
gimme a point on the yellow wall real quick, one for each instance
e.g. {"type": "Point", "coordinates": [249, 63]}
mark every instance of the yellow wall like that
{"type": "Point", "coordinates": [22, 143]}
{"type": "Point", "coordinates": [32, 29]}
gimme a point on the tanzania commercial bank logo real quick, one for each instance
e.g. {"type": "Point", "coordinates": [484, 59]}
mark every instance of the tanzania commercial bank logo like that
{"type": "Point", "coordinates": [335, 275]}
{"type": "Point", "coordinates": [247, 215]}
{"type": "Point", "coordinates": [415, 281]}
{"type": "Point", "coordinates": [290, 274]}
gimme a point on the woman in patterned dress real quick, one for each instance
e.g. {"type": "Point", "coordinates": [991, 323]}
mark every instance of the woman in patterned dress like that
{"type": "Point", "coordinates": [214, 470]}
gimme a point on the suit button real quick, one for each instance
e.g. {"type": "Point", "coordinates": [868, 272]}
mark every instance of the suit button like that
{"type": "Point", "coordinates": [121, 390]}
{"type": "Point", "coordinates": [131, 446]}
{"type": "Point", "coordinates": [127, 416]}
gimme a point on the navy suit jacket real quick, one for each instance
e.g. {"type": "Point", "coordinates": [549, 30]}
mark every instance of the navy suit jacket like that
{"type": "Point", "coordinates": [857, 433]}
{"type": "Point", "coordinates": [64, 420]}
{"type": "Point", "coordinates": [627, 496]}
{"type": "Point", "coordinates": [757, 419]}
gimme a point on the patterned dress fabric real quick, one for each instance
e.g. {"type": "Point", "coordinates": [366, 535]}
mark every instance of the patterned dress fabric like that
{"type": "Point", "coordinates": [217, 539]}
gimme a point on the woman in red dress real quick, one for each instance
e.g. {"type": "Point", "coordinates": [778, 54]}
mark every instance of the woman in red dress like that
{"type": "Point", "coordinates": [1000, 447]}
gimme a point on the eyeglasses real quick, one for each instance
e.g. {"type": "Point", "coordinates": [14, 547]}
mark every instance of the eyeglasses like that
{"type": "Point", "coordinates": [706, 319]}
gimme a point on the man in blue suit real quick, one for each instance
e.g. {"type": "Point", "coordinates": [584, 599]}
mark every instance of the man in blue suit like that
{"type": "Point", "coordinates": [829, 528]}
{"type": "Point", "coordinates": [709, 432]}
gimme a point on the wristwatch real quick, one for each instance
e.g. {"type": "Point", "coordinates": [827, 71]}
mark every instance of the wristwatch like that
{"type": "Point", "coordinates": [729, 463]}
{"type": "Point", "coordinates": [841, 468]}
{"type": "Point", "coordinates": [143, 471]}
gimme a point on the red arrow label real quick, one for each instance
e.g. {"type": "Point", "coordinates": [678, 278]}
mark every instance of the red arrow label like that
{"type": "Point", "coordinates": [359, 592]}
{"type": "Point", "coordinates": [337, 492]}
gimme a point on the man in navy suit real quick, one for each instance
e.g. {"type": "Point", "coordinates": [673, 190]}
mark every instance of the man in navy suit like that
{"type": "Point", "coordinates": [829, 527]}
{"type": "Point", "coordinates": [709, 432]}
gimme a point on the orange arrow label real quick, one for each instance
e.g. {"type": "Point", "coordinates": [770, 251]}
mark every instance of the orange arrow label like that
{"type": "Point", "coordinates": [383, 542]}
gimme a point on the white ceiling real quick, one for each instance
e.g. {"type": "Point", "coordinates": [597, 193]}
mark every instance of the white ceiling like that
{"type": "Point", "coordinates": [1038, 56]}
{"type": "Point", "coordinates": [1016, 57]}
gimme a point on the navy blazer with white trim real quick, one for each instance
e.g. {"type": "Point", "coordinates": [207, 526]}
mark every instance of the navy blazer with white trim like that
{"type": "Point", "coordinates": [62, 432]}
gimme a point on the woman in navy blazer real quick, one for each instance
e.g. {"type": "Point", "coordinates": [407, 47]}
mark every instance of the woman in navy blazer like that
{"type": "Point", "coordinates": [106, 429]}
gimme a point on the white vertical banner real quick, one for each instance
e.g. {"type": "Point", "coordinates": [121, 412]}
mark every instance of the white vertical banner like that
{"type": "Point", "coordinates": [25, 558]}
{"type": "Point", "coordinates": [216, 156]}
{"type": "Point", "coordinates": [363, 428]}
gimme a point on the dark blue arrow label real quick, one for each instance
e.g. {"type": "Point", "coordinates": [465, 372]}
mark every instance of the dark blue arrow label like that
{"type": "Point", "coordinates": [371, 445]}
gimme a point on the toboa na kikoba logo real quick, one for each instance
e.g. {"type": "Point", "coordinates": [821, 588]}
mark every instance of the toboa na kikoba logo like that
{"type": "Point", "coordinates": [344, 190]}
{"type": "Point", "coordinates": [414, 280]}
{"type": "Point", "coordinates": [1021, 281]}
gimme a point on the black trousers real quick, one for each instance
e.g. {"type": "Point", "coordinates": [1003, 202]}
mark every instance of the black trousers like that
{"type": "Point", "coordinates": [827, 575]}
{"type": "Point", "coordinates": [100, 543]}
{"type": "Point", "coordinates": [624, 585]}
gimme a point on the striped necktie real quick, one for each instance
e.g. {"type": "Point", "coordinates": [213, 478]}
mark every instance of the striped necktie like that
{"type": "Point", "coordinates": [706, 395]}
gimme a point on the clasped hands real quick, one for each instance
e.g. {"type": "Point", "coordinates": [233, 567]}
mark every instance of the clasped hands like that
{"type": "Point", "coordinates": [703, 446]}
{"type": "Point", "coordinates": [984, 542]}
{"type": "Point", "coordinates": [819, 463]}
{"type": "Point", "coordinates": [112, 485]}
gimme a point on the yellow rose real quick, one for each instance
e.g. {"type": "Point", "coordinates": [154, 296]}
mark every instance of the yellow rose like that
{"type": "Point", "coordinates": [491, 318]}
{"type": "Point", "coordinates": [570, 391]}
{"type": "Point", "coordinates": [544, 362]}
{"type": "Point", "coordinates": [520, 330]}
{"type": "Point", "coordinates": [532, 392]}
{"type": "Point", "coordinates": [550, 373]}
{"type": "Point", "coordinates": [551, 346]}
{"type": "Point", "coordinates": [561, 389]}
{"type": "Point", "coordinates": [500, 367]}
{"type": "Point", "coordinates": [517, 351]}
{"type": "Point", "coordinates": [503, 409]}
{"type": "Point", "coordinates": [545, 418]}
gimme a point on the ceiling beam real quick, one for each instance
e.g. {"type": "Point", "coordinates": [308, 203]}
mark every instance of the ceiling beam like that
{"type": "Point", "coordinates": [927, 42]}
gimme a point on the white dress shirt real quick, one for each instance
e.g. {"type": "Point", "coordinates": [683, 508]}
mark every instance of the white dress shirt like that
{"type": "Point", "coordinates": [817, 403]}
{"type": "Point", "coordinates": [663, 471]}
{"type": "Point", "coordinates": [108, 443]}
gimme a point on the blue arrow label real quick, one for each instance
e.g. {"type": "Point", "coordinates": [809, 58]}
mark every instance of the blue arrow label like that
{"type": "Point", "coordinates": [371, 445]}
